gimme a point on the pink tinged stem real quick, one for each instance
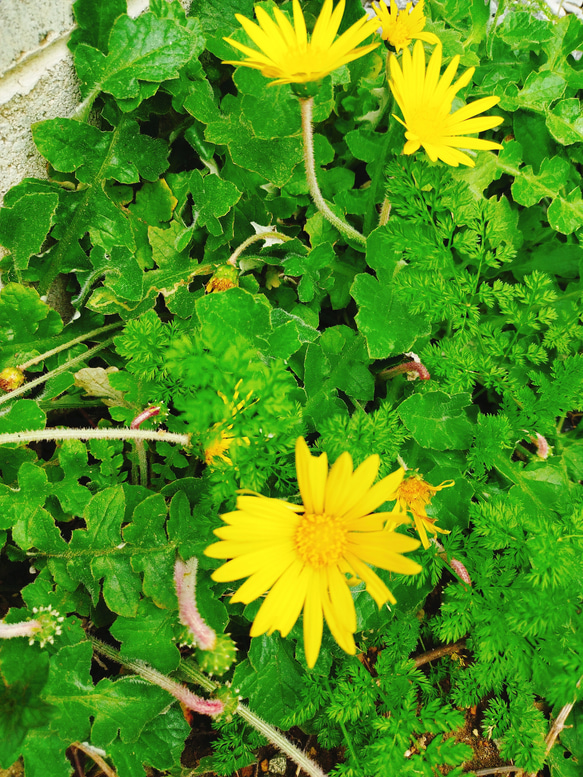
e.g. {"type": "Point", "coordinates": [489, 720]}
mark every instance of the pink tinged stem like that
{"type": "Point", "coordinates": [147, 672]}
{"type": "Point", "coordinates": [179, 691]}
{"type": "Point", "coordinates": [420, 370]}
{"type": "Point", "coordinates": [459, 568]}
{"type": "Point", "coordinates": [542, 446]}
{"type": "Point", "coordinates": [23, 629]}
{"type": "Point", "coordinates": [149, 412]}
{"type": "Point", "coordinates": [185, 583]}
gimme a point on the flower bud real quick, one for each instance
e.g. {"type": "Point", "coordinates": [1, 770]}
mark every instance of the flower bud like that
{"type": "Point", "coordinates": [217, 660]}
{"type": "Point", "coordinates": [11, 378]}
{"type": "Point", "coordinates": [225, 277]}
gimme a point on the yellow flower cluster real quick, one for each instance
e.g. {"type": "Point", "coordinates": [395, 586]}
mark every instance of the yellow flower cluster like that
{"type": "Point", "coordinates": [285, 53]}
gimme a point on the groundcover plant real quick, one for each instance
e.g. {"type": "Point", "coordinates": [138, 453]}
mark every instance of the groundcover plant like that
{"type": "Point", "coordinates": [291, 388]}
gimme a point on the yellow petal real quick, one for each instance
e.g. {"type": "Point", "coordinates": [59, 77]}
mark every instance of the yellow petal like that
{"type": "Point", "coordinates": [312, 473]}
{"type": "Point", "coordinates": [313, 624]}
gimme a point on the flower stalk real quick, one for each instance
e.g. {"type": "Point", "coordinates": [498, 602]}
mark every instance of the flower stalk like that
{"type": "Point", "coordinates": [413, 370]}
{"type": "Point", "coordinates": [42, 629]}
{"type": "Point", "coordinates": [267, 235]}
{"type": "Point", "coordinates": [58, 370]}
{"type": "Point", "coordinates": [180, 692]}
{"type": "Point", "coordinates": [307, 106]}
{"type": "Point", "coordinates": [193, 674]}
{"type": "Point", "coordinates": [94, 434]}
{"type": "Point", "coordinates": [145, 415]}
{"type": "Point", "coordinates": [185, 583]}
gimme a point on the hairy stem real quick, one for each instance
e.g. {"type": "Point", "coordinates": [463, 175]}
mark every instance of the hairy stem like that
{"type": "Point", "coordinates": [267, 235]}
{"type": "Point", "coordinates": [57, 371]}
{"type": "Point", "coordinates": [87, 336]}
{"type": "Point", "coordinates": [181, 692]}
{"type": "Point", "coordinates": [348, 231]}
{"type": "Point", "coordinates": [194, 674]}
{"type": "Point", "coordinates": [94, 434]}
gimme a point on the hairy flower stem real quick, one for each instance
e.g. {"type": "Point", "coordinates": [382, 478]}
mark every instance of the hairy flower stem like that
{"type": "Point", "coordinates": [58, 370]}
{"type": "Point", "coordinates": [267, 235]}
{"type": "Point", "coordinates": [348, 231]}
{"type": "Point", "coordinates": [185, 584]}
{"type": "Point", "coordinates": [87, 336]}
{"type": "Point", "coordinates": [181, 692]}
{"type": "Point", "coordinates": [192, 673]}
{"type": "Point", "coordinates": [409, 367]}
{"type": "Point", "coordinates": [145, 415]}
{"type": "Point", "coordinates": [94, 434]}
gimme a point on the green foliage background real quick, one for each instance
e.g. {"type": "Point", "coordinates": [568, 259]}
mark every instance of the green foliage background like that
{"type": "Point", "coordinates": [478, 271]}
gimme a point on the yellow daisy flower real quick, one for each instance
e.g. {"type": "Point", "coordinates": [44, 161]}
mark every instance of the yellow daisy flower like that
{"type": "Point", "coordinates": [286, 54]}
{"type": "Point", "coordinates": [425, 100]}
{"type": "Point", "coordinates": [303, 554]}
{"type": "Point", "coordinates": [414, 494]}
{"type": "Point", "coordinates": [400, 28]}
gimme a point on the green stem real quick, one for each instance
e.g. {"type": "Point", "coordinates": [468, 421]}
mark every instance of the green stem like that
{"type": "Point", "coordinates": [94, 434]}
{"type": "Point", "coordinates": [267, 235]}
{"type": "Point", "coordinates": [88, 336]}
{"type": "Point", "coordinates": [76, 226]}
{"type": "Point", "coordinates": [347, 738]}
{"type": "Point", "coordinates": [57, 371]}
{"type": "Point", "coordinates": [348, 231]}
{"type": "Point", "coordinates": [191, 672]}
{"type": "Point", "coordinates": [377, 177]}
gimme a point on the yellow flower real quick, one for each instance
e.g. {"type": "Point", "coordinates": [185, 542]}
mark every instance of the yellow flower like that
{"type": "Point", "coordinates": [425, 100]}
{"type": "Point", "coordinates": [286, 54]}
{"type": "Point", "coordinates": [414, 494]}
{"type": "Point", "coordinates": [218, 447]}
{"type": "Point", "coordinates": [303, 554]}
{"type": "Point", "coordinates": [219, 439]}
{"type": "Point", "coordinates": [399, 28]}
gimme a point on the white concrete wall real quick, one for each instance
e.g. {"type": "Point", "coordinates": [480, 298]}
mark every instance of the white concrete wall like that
{"type": "Point", "coordinates": [37, 80]}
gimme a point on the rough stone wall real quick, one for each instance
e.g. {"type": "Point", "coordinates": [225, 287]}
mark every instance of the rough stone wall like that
{"type": "Point", "coordinates": [37, 80]}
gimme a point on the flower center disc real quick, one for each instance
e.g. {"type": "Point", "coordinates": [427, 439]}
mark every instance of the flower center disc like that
{"type": "Point", "coordinates": [415, 490]}
{"type": "Point", "coordinates": [320, 540]}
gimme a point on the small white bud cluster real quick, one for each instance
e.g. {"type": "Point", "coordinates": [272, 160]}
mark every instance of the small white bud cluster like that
{"type": "Point", "coordinates": [49, 626]}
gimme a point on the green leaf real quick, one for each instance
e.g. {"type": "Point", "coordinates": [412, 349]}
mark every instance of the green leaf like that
{"type": "Point", "coordinates": [24, 415]}
{"type": "Point", "coordinates": [538, 92]}
{"type": "Point", "coordinates": [212, 198]}
{"type": "Point", "coordinates": [150, 636]}
{"type": "Point", "coordinates": [147, 534]}
{"type": "Point", "coordinates": [227, 316]}
{"type": "Point", "coordinates": [142, 49]}
{"type": "Point", "coordinates": [24, 671]}
{"type": "Point", "coordinates": [438, 420]}
{"type": "Point", "coordinates": [528, 188]}
{"type": "Point", "coordinates": [25, 319]}
{"type": "Point", "coordinates": [565, 121]}
{"type": "Point", "coordinates": [273, 159]}
{"type": "Point", "coordinates": [125, 706]}
{"type": "Point", "coordinates": [521, 29]}
{"type": "Point", "coordinates": [70, 691]}
{"type": "Point", "coordinates": [17, 504]}
{"type": "Point", "coordinates": [384, 320]}
{"type": "Point", "coordinates": [270, 678]}
{"type": "Point", "coordinates": [338, 360]}
{"type": "Point", "coordinates": [160, 745]}
{"type": "Point", "coordinates": [565, 214]}
{"type": "Point", "coordinates": [94, 22]}
{"type": "Point", "coordinates": [25, 225]}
